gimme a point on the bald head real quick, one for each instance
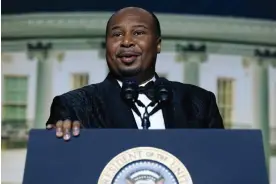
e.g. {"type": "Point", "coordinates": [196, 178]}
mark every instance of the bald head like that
{"type": "Point", "coordinates": [132, 43]}
{"type": "Point", "coordinates": [132, 9]}
{"type": "Point", "coordinates": [137, 11]}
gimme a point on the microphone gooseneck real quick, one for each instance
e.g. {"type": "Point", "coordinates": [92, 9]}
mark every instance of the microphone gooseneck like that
{"type": "Point", "coordinates": [162, 95]}
{"type": "Point", "coordinates": [129, 93]}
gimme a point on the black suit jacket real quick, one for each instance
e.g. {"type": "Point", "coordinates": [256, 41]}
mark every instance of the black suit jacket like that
{"type": "Point", "coordinates": [100, 106]}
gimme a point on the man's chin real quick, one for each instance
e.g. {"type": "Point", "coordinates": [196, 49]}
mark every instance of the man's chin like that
{"type": "Point", "coordinates": [130, 72]}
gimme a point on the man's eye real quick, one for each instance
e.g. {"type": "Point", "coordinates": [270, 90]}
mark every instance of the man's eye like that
{"type": "Point", "coordinates": [139, 32]}
{"type": "Point", "coordinates": [117, 34]}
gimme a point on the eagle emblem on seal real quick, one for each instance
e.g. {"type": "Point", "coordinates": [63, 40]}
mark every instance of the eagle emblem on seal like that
{"type": "Point", "coordinates": [145, 177]}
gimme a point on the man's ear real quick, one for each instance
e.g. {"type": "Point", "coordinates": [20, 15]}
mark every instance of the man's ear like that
{"type": "Point", "coordinates": [159, 40]}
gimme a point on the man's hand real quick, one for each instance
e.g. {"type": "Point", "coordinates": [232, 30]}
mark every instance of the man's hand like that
{"type": "Point", "coordinates": [66, 128]}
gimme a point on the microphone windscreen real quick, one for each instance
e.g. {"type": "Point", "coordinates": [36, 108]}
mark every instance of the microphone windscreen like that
{"type": "Point", "coordinates": [163, 90]}
{"type": "Point", "coordinates": [129, 90]}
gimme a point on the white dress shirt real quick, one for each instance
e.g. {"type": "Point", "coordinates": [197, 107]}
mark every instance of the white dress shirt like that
{"type": "Point", "coordinates": [156, 120]}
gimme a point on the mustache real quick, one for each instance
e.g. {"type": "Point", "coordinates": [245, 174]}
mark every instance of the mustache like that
{"type": "Point", "coordinates": [127, 52]}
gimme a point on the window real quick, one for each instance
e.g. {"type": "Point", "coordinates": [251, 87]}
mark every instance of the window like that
{"type": "Point", "coordinates": [14, 106]}
{"type": "Point", "coordinates": [80, 80]}
{"type": "Point", "coordinates": [225, 87]}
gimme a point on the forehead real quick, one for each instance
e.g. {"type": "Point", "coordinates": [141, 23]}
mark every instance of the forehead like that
{"type": "Point", "coordinates": [131, 17]}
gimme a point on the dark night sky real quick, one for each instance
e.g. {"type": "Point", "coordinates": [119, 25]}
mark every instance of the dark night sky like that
{"type": "Point", "coordinates": [263, 9]}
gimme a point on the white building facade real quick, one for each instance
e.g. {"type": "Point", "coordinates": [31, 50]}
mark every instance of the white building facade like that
{"type": "Point", "coordinates": [52, 54]}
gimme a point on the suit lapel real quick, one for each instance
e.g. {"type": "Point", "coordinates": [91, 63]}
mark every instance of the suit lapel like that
{"type": "Point", "coordinates": [175, 114]}
{"type": "Point", "coordinates": [120, 114]}
{"type": "Point", "coordinates": [168, 115]}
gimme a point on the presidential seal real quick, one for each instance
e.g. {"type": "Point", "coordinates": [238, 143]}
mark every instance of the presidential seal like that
{"type": "Point", "coordinates": [145, 165]}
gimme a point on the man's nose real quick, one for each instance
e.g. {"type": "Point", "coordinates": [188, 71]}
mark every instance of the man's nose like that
{"type": "Point", "coordinates": [127, 41]}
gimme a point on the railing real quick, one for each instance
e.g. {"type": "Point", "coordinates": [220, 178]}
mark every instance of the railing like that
{"type": "Point", "coordinates": [238, 126]}
{"type": "Point", "coordinates": [14, 133]}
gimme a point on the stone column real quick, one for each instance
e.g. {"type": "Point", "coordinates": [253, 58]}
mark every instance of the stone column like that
{"type": "Point", "coordinates": [261, 102]}
{"type": "Point", "coordinates": [40, 53]}
{"type": "Point", "coordinates": [260, 78]}
{"type": "Point", "coordinates": [192, 56]}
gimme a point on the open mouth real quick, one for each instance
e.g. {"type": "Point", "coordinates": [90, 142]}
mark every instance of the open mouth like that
{"type": "Point", "coordinates": [128, 58]}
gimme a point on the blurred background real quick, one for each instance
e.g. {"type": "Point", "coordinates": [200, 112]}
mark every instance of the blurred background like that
{"type": "Point", "coordinates": [52, 46]}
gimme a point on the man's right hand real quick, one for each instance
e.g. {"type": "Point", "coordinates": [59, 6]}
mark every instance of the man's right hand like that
{"type": "Point", "coordinates": [65, 129]}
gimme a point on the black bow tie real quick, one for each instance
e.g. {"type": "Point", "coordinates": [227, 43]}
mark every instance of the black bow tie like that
{"type": "Point", "coordinates": [147, 90]}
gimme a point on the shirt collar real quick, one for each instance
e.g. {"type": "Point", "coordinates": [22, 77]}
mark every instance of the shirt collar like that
{"type": "Point", "coordinates": [152, 79]}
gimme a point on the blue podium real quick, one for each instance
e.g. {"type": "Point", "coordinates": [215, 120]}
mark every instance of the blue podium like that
{"type": "Point", "coordinates": [126, 156]}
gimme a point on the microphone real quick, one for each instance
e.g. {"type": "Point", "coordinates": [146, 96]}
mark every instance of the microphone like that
{"type": "Point", "coordinates": [129, 93]}
{"type": "Point", "coordinates": [162, 90]}
{"type": "Point", "coordinates": [163, 94]}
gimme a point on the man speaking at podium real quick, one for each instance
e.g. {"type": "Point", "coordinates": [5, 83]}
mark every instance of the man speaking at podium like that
{"type": "Point", "coordinates": [133, 40]}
